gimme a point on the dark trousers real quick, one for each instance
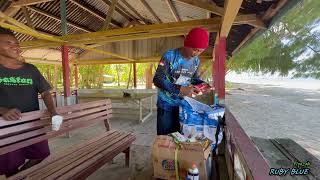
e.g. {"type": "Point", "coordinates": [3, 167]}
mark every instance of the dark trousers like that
{"type": "Point", "coordinates": [167, 121]}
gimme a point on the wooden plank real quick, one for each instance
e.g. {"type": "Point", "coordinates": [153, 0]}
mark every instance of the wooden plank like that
{"type": "Point", "coordinates": [29, 116]}
{"type": "Point", "coordinates": [109, 15]}
{"type": "Point", "coordinates": [121, 10]}
{"type": "Point", "coordinates": [84, 119]}
{"type": "Point", "coordinates": [135, 11]}
{"type": "Point", "coordinates": [65, 154]}
{"type": "Point", "coordinates": [49, 135]}
{"type": "Point", "coordinates": [97, 161]}
{"type": "Point", "coordinates": [147, 6]}
{"type": "Point", "coordinates": [229, 16]}
{"type": "Point", "coordinates": [23, 127]}
{"type": "Point", "coordinates": [301, 155]}
{"type": "Point", "coordinates": [80, 162]}
{"type": "Point", "coordinates": [28, 2]}
{"type": "Point", "coordinates": [27, 17]}
{"type": "Point", "coordinates": [37, 10]}
{"type": "Point", "coordinates": [211, 7]}
{"type": "Point", "coordinates": [74, 158]}
{"type": "Point", "coordinates": [254, 160]}
{"type": "Point", "coordinates": [275, 157]}
{"type": "Point", "coordinates": [23, 136]}
{"type": "Point", "coordinates": [173, 10]}
{"type": "Point", "coordinates": [113, 22]}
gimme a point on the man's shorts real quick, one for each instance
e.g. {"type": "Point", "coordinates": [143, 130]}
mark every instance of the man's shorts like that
{"type": "Point", "coordinates": [10, 162]}
{"type": "Point", "coordinates": [167, 121]}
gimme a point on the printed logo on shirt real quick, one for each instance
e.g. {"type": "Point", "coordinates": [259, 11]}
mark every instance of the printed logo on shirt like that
{"type": "Point", "coordinates": [15, 81]}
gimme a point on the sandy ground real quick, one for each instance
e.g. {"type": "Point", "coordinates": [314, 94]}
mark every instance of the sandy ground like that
{"type": "Point", "coordinates": [262, 110]}
{"type": "Point", "coordinates": [269, 111]}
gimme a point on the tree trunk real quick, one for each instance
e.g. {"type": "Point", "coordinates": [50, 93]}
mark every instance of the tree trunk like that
{"type": "Point", "coordinates": [129, 78]}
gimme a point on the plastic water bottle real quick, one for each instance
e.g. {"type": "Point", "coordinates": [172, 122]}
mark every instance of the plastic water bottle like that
{"type": "Point", "coordinates": [216, 99]}
{"type": "Point", "coordinates": [193, 173]}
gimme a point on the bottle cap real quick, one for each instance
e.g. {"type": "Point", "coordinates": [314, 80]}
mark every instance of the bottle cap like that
{"type": "Point", "coordinates": [194, 166]}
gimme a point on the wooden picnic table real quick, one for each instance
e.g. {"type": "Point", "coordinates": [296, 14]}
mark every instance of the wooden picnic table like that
{"type": "Point", "coordinates": [136, 98]}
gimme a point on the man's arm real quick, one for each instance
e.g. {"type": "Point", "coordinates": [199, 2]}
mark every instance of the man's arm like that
{"type": "Point", "coordinates": [47, 98]}
{"type": "Point", "coordinates": [10, 114]}
{"type": "Point", "coordinates": [161, 79]}
{"type": "Point", "coordinates": [3, 110]}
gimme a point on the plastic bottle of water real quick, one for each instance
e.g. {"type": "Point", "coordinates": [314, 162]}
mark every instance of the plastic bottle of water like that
{"type": "Point", "coordinates": [193, 173]}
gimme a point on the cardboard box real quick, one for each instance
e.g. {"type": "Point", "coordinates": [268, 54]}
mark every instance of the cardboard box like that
{"type": "Point", "coordinates": [163, 158]}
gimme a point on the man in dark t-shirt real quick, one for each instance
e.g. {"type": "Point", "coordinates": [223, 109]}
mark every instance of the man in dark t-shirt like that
{"type": "Point", "coordinates": [20, 84]}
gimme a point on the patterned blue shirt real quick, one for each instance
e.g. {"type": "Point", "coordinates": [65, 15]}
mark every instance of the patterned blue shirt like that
{"type": "Point", "coordinates": [173, 72]}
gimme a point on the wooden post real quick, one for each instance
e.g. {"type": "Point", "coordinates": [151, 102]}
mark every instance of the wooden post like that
{"type": "Point", "coordinates": [222, 68]}
{"type": "Point", "coordinates": [218, 67]}
{"type": "Point", "coordinates": [76, 78]}
{"type": "Point", "coordinates": [135, 75]}
{"type": "Point", "coordinates": [65, 56]}
{"type": "Point", "coordinates": [148, 74]}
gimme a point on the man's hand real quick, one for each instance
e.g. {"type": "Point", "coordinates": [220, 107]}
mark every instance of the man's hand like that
{"type": "Point", "coordinates": [12, 115]}
{"type": "Point", "coordinates": [189, 90]}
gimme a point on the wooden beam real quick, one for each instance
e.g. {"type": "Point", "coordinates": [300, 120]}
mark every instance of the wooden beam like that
{"type": "Point", "coordinates": [135, 12]}
{"type": "Point", "coordinates": [42, 60]}
{"type": "Point", "coordinates": [147, 6]}
{"type": "Point", "coordinates": [58, 19]}
{"type": "Point", "coordinates": [134, 33]}
{"type": "Point", "coordinates": [140, 36]}
{"type": "Point", "coordinates": [109, 14]}
{"type": "Point", "coordinates": [250, 19]}
{"type": "Point", "coordinates": [249, 36]}
{"type": "Point", "coordinates": [22, 28]}
{"type": "Point", "coordinates": [274, 9]}
{"type": "Point", "coordinates": [212, 7]}
{"type": "Point", "coordinates": [121, 10]}
{"type": "Point", "coordinates": [94, 13]}
{"type": "Point", "coordinates": [229, 16]}
{"type": "Point", "coordinates": [105, 52]}
{"type": "Point", "coordinates": [267, 16]}
{"type": "Point", "coordinates": [27, 17]}
{"type": "Point", "coordinates": [28, 2]}
{"type": "Point", "coordinates": [153, 59]}
{"type": "Point", "coordinates": [173, 10]}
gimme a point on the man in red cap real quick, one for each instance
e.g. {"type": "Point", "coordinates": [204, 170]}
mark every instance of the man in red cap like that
{"type": "Point", "coordinates": [176, 77]}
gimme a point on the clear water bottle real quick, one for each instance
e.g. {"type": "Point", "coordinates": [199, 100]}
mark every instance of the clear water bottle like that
{"type": "Point", "coordinates": [193, 173]}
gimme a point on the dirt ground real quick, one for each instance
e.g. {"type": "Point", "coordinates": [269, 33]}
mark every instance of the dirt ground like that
{"type": "Point", "coordinates": [270, 111]}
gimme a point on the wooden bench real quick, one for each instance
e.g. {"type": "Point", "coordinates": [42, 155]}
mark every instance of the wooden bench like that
{"type": "Point", "coordinates": [77, 162]}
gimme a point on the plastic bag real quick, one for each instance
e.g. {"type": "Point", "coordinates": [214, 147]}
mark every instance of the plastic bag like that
{"type": "Point", "coordinates": [200, 120]}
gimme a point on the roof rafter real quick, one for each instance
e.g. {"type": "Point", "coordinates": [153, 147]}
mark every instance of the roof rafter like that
{"type": "Point", "coordinates": [212, 7]}
{"type": "Point", "coordinates": [173, 10]}
{"type": "Point", "coordinates": [148, 7]}
{"type": "Point", "coordinates": [230, 13]}
{"type": "Point", "coordinates": [269, 13]}
{"type": "Point", "coordinates": [121, 10]}
{"type": "Point", "coordinates": [109, 15]}
{"type": "Point", "coordinates": [28, 2]}
{"type": "Point", "coordinates": [135, 11]}
{"type": "Point", "coordinates": [58, 19]}
{"type": "Point", "coordinates": [93, 12]}
{"type": "Point", "coordinates": [27, 17]}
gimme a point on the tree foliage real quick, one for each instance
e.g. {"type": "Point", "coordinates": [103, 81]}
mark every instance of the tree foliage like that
{"type": "Point", "coordinates": [291, 45]}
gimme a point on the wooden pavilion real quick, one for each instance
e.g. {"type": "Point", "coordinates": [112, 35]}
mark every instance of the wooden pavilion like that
{"type": "Point", "coordinates": [75, 33]}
